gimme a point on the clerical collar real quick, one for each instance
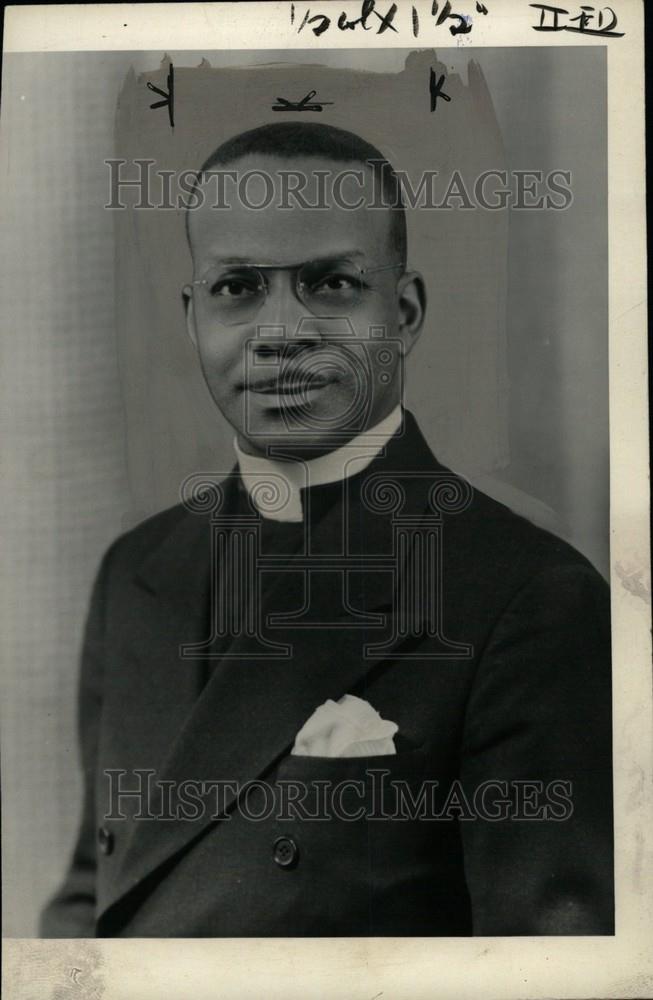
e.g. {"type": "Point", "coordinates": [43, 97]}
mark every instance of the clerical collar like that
{"type": "Point", "coordinates": [274, 486]}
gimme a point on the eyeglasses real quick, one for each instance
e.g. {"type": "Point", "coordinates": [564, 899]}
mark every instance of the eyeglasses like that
{"type": "Point", "coordinates": [234, 293]}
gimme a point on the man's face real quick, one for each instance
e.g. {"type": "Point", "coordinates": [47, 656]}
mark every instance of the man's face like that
{"type": "Point", "coordinates": [309, 358]}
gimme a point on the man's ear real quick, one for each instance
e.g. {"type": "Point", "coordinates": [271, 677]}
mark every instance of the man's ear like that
{"type": "Point", "coordinates": [411, 298]}
{"type": "Point", "coordinates": [187, 297]}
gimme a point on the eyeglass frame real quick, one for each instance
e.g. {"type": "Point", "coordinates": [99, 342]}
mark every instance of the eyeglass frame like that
{"type": "Point", "coordinates": [298, 267]}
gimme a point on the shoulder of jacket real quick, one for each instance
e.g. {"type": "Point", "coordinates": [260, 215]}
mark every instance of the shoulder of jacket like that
{"type": "Point", "coordinates": [133, 545]}
{"type": "Point", "coordinates": [511, 546]}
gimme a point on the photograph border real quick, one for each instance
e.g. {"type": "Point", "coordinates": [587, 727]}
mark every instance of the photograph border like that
{"type": "Point", "coordinates": [533, 967]}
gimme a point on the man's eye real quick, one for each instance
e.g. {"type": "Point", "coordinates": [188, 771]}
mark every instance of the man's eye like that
{"type": "Point", "coordinates": [234, 288]}
{"type": "Point", "coordinates": [334, 283]}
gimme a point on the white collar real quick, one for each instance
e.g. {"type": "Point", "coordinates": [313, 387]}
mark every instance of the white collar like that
{"type": "Point", "coordinates": [274, 486]}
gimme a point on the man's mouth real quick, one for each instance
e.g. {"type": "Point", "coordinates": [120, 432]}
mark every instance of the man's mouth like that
{"type": "Point", "coordinates": [288, 386]}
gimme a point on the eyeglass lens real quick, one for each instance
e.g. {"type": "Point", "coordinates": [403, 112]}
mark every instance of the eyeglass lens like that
{"type": "Point", "coordinates": [235, 293]}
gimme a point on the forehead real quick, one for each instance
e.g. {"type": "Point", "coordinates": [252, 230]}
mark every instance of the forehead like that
{"type": "Point", "coordinates": [285, 235]}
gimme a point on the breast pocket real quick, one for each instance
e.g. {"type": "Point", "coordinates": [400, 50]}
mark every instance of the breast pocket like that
{"type": "Point", "coordinates": [353, 789]}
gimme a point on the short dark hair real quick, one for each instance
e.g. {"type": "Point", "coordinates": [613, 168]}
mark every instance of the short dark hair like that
{"type": "Point", "coordinates": [293, 139]}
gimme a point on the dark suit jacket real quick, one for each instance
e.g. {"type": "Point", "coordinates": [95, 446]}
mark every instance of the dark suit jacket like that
{"type": "Point", "coordinates": [499, 673]}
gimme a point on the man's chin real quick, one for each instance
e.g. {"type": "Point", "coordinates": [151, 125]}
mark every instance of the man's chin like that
{"type": "Point", "coordinates": [274, 438]}
{"type": "Point", "coordinates": [295, 432]}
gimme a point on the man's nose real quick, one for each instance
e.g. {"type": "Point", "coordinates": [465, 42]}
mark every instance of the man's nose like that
{"type": "Point", "coordinates": [283, 317]}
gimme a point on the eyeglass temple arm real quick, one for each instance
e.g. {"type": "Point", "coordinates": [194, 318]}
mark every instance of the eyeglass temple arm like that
{"type": "Point", "coordinates": [384, 267]}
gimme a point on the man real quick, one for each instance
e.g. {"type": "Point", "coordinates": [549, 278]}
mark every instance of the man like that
{"type": "Point", "coordinates": [338, 693]}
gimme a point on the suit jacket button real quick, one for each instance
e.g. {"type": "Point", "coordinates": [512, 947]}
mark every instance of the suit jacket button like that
{"type": "Point", "coordinates": [286, 852]}
{"type": "Point", "coordinates": [105, 840]}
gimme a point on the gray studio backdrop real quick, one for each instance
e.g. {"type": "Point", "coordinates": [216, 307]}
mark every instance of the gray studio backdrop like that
{"type": "Point", "coordinates": [105, 411]}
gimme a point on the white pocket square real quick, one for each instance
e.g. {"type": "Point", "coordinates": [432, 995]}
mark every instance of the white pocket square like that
{"type": "Point", "coordinates": [349, 727]}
